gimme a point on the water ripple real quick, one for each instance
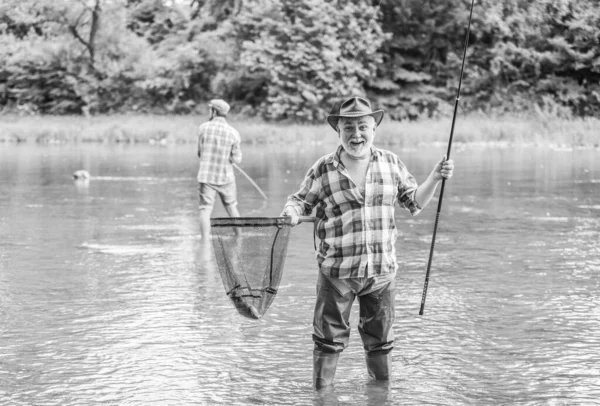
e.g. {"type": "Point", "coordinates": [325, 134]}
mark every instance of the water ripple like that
{"type": "Point", "coordinates": [109, 296]}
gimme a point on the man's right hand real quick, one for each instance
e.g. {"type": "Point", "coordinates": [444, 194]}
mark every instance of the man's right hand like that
{"type": "Point", "coordinates": [294, 217]}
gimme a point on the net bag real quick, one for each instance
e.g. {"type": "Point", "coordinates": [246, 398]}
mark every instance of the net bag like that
{"type": "Point", "coordinates": [250, 254]}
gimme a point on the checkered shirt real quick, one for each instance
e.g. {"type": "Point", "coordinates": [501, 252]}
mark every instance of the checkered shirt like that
{"type": "Point", "coordinates": [218, 147]}
{"type": "Point", "coordinates": [357, 233]}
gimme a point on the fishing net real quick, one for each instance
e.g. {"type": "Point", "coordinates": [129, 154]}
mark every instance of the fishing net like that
{"type": "Point", "coordinates": [250, 253]}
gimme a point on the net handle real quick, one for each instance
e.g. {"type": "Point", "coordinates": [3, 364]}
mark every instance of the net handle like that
{"type": "Point", "coordinates": [306, 219]}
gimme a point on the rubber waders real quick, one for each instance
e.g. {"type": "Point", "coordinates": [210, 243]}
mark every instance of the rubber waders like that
{"type": "Point", "coordinates": [379, 365]}
{"type": "Point", "coordinates": [324, 366]}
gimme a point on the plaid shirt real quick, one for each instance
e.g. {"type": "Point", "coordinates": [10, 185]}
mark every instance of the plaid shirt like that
{"type": "Point", "coordinates": [218, 147]}
{"type": "Point", "coordinates": [357, 232]}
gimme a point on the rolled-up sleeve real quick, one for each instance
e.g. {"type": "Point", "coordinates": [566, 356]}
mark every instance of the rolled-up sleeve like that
{"type": "Point", "coordinates": [407, 189]}
{"type": "Point", "coordinates": [303, 201]}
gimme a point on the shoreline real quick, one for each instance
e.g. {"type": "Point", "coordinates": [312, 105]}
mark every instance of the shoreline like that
{"type": "Point", "coordinates": [471, 131]}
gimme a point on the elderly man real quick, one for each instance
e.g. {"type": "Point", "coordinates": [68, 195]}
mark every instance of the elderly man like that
{"type": "Point", "coordinates": [354, 191]}
{"type": "Point", "coordinates": [218, 149]}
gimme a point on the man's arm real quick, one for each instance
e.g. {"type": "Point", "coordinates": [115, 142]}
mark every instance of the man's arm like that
{"type": "Point", "coordinates": [200, 136]}
{"type": "Point", "coordinates": [236, 153]}
{"type": "Point", "coordinates": [443, 169]}
{"type": "Point", "coordinates": [303, 201]}
{"type": "Point", "coordinates": [235, 157]}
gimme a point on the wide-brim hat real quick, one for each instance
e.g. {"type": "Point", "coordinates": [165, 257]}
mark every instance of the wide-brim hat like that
{"type": "Point", "coordinates": [352, 107]}
{"type": "Point", "coordinates": [220, 105]}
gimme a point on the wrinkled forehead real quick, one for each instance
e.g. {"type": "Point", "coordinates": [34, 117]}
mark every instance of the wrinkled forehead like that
{"type": "Point", "coordinates": [369, 120]}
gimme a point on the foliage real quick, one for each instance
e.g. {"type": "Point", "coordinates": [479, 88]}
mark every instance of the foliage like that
{"type": "Point", "coordinates": [472, 130]}
{"type": "Point", "coordinates": [289, 59]}
{"type": "Point", "coordinates": [542, 56]}
{"type": "Point", "coordinates": [422, 58]}
{"type": "Point", "coordinates": [36, 78]}
{"type": "Point", "coordinates": [309, 53]}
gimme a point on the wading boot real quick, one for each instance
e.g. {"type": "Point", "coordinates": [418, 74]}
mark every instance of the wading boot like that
{"type": "Point", "coordinates": [324, 366]}
{"type": "Point", "coordinates": [379, 365]}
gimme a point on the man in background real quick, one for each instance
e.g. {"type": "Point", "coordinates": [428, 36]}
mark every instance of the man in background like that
{"type": "Point", "coordinates": [218, 150]}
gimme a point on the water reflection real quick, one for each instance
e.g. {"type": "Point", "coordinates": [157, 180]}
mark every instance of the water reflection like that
{"type": "Point", "coordinates": [205, 259]}
{"type": "Point", "coordinates": [108, 295]}
{"type": "Point", "coordinates": [369, 393]}
{"type": "Point", "coordinates": [326, 396]}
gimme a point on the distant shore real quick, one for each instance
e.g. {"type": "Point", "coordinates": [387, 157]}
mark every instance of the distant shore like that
{"type": "Point", "coordinates": [154, 129]}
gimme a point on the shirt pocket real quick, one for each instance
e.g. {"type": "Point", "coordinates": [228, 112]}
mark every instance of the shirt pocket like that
{"type": "Point", "coordinates": [384, 192]}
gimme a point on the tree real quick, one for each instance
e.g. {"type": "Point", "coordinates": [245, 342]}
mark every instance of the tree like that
{"type": "Point", "coordinates": [538, 56]}
{"type": "Point", "coordinates": [288, 59]}
{"type": "Point", "coordinates": [418, 74]}
{"type": "Point", "coordinates": [38, 61]}
{"type": "Point", "coordinates": [100, 57]}
{"type": "Point", "coordinates": [220, 10]}
{"type": "Point", "coordinates": [308, 52]}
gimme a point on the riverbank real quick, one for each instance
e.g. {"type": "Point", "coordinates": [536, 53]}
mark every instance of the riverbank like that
{"type": "Point", "coordinates": [182, 129]}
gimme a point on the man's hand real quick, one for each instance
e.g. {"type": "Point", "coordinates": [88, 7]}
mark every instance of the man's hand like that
{"type": "Point", "coordinates": [294, 217]}
{"type": "Point", "coordinates": [443, 169]}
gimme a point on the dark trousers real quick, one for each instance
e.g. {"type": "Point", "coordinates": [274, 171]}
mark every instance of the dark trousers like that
{"type": "Point", "coordinates": [331, 328]}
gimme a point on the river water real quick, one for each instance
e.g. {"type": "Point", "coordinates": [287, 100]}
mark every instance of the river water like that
{"type": "Point", "coordinates": [108, 296]}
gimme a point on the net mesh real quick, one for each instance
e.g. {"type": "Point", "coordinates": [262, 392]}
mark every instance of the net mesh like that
{"type": "Point", "coordinates": [250, 254]}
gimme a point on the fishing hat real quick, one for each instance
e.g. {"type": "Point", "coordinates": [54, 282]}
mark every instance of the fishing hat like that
{"type": "Point", "coordinates": [353, 107]}
{"type": "Point", "coordinates": [220, 105]}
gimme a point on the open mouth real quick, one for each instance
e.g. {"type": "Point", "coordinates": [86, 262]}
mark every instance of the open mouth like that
{"type": "Point", "coordinates": [356, 144]}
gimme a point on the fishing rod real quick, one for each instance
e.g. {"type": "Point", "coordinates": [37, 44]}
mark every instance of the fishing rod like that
{"type": "Point", "coordinates": [439, 207]}
{"type": "Point", "coordinates": [250, 180]}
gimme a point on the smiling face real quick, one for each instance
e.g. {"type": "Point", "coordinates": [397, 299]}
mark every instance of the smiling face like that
{"type": "Point", "coordinates": [357, 135]}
